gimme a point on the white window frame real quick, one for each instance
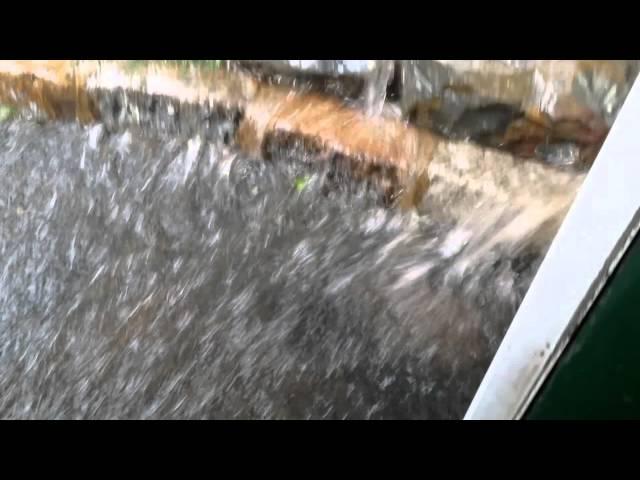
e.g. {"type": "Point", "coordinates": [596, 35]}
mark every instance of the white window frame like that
{"type": "Point", "coordinates": [589, 244]}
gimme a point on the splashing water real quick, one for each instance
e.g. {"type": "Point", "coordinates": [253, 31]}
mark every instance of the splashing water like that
{"type": "Point", "coordinates": [146, 276]}
{"type": "Point", "coordinates": [376, 87]}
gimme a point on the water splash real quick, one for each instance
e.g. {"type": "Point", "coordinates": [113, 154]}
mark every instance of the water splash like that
{"type": "Point", "coordinates": [148, 276]}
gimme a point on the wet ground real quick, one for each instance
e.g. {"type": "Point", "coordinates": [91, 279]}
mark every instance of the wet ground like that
{"type": "Point", "coordinates": [148, 276]}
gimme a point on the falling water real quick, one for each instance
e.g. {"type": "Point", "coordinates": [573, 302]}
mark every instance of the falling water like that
{"type": "Point", "coordinates": [148, 275]}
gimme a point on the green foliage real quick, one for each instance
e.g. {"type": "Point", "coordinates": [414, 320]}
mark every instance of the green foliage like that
{"type": "Point", "coordinates": [5, 112]}
{"type": "Point", "coordinates": [302, 182]}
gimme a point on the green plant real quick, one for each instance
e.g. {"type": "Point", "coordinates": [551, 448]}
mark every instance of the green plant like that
{"type": "Point", "coordinates": [6, 112]}
{"type": "Point", "coordinates": [302, 182]}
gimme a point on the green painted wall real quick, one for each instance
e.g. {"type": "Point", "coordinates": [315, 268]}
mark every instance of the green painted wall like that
{"type": "Point", "coordinates": [598, 376]}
